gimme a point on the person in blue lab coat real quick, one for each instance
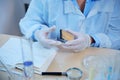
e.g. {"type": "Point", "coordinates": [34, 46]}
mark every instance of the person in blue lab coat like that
{"type": "Point", "coordinates": [94, 22]}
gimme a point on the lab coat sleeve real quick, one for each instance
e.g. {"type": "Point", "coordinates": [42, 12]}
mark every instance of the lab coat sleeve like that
{"type": "Point", "coordinates": [114, 27]}
{"type": "Point", "coordinates": [111, 37]}
{"type": "Point", "coordinates": [34, 19]}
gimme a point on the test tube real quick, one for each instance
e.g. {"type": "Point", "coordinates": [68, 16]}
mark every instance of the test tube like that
{"type": "Point", "coordinates": [26, 45]}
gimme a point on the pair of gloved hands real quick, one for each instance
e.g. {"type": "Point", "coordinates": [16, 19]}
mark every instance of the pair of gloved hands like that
{"type": "Point", "coordinates": [81, 42]}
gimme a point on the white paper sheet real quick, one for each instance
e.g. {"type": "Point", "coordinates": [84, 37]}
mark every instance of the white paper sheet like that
{"type": "Point", "coordinates": [11, 54]}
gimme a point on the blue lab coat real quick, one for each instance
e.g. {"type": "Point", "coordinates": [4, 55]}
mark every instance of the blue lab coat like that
{"type": "Point", "coordinates": [102, 22]}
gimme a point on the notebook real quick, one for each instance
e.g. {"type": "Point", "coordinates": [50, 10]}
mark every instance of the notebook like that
{"type": "Point", "coordinates": [11, 53]}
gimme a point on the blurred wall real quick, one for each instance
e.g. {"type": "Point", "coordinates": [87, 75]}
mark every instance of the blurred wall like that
{"type": "Point", "coordinates": [11, 11]}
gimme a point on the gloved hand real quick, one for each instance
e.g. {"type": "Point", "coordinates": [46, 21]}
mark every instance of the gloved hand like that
{"type": "Point", "coordinates": [43, 37]}
{"type": "Point", "coordinates": [80, 42]}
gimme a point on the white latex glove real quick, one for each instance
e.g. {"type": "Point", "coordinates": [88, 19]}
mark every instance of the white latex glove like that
{"type": "Point", "coordinates": [80, 42]}
{"type": "Point", "coordinates": [42, 36]}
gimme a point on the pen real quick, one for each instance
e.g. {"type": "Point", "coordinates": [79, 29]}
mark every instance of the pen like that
{"type": "Point", "coordinates": [54, 73]}
{"type": "Point", "coordinates": [14, 72]}
{"type": "Point", "coordinates": [6, 67]}
{"type": "Point", "coordinates": [50, 73]}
